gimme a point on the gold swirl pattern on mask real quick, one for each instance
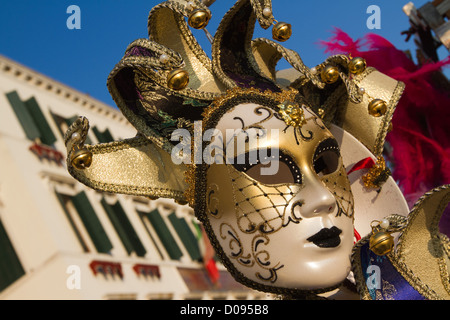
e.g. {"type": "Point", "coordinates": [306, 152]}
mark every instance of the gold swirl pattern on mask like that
{"type": "Point", "coordinates": [212, 200]}
{"type": "Point", "coordinates": [258, 259]}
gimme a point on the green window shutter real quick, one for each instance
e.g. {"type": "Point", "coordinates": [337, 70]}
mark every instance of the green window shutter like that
{"type": "Point", "coordinates": [124, 228]}
{"type": "Point", "coordinates": [186, 236]}
{"type": "Point", "coordinates": [142, 216]}
{"type": "Point", "coordinates": [47, 136]}
{"type": "Point", "coordinates": [103, 137]}
{"type": "Point", "coordinates": [23, 115]}
{"type": "Point", "coordinates": [92, 223]}
{"type": "Point", "coordinates": [164, 235]}
{"type": "Point", "coordinates": [56, 119]}
{"type": "Point", "coordinates": [61, 200]}
{"type": "Point", "coordinates": [71, 120]}
{"type": "Point", "coordinates": [10, 267]}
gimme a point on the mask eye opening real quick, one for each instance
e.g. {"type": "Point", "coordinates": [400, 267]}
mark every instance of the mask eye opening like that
{"type": "Point", "coordinates": [326, 157]}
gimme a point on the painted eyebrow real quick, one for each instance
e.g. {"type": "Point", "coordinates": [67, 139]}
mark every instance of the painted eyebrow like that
{"type": "Point", "coordinates": [245, 165]}
{"type": "Point", "coordinates": [327, 144]}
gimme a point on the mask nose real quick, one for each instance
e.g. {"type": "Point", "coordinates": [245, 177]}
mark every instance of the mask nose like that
{"type": "Point", "coordinates": [316, 199]}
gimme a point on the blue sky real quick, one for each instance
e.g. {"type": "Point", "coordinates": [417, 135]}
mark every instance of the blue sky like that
{"type": "Point", "coordinates": [34, 33]}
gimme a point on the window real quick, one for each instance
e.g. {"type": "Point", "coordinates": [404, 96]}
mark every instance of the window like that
{"type": "Point", "coordinates": [85, 221]}
{"type": "Point", "coordinates": [103, 137]}
{"type": "Point", "coordinates": [74, 220]}
{"type": "Point", "coordinates": [143, 216]}
{"type": "Point", "coordinates": [10, 267]}
{"type": "Point", "coordinates": [31, 118]}
{"type": "Point", "coordinates": [163, 232]}
{"type": "Point", "coordinates": [187, 237]}
{"type": "Point", "coordinates": [123, 227]}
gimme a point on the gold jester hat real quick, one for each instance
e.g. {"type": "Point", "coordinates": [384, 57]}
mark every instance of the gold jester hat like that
{"type": "Point", "coordinates": [167, 82]}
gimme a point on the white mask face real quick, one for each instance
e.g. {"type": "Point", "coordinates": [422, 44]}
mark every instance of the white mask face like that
{"type": "Point", "coordinates": [291, 228]}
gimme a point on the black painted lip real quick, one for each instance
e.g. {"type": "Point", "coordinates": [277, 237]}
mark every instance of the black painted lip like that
{"type": "Point", "coordinates": [326, 238]}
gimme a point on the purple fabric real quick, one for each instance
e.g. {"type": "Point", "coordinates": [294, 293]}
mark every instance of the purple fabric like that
{"type": "Point", "coordinates": [444, 224]}
{"type": "Point", "coordinates": [233, 58]}
{"type": "Point", "coordinates": [392, 286]}
{"type": "Point", "coordinates": [140, 52]}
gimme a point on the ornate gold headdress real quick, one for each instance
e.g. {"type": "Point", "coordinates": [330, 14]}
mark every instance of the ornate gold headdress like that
{"type": "Point", "coordinates": [167, 82]}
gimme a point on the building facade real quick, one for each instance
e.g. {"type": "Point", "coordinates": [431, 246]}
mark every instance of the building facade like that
{"type": "Point", "coordinates": [62, 240]}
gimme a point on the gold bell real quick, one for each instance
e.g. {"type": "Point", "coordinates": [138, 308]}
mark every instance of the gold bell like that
{"type": "Point", "coordinates": [82, 159]}
{"type": "Point", "coordinates": [199, 18]}
{"type": "Point", "coordinates": [357, 65]}
{"type": "Point", "coordinates": [282, 31]}
{"type": "Point", "coordinates": [329, 74]}
{"type": "Point", "coordinates": [377, 108]}
{"type": "Point", "coordinates": [381, 243]}
{"type": "Point", "coordinates": [178, 79]}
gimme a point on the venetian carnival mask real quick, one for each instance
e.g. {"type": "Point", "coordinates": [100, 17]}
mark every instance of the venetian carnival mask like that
{"type": "Point", "coordinates": [257, 160]}
{"type": "Point", "coordinates": [279, 204]}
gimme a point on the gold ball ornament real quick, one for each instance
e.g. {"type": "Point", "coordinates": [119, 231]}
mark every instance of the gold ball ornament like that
{"type": "Point", "coordinates": [381, 243]}
{"type": "Point", "coordinates": [357, 65]}
{"type": "Point", "coordinates": [199, 18]}
{"type": "Point", "coordinates": [178, 79]}
{"type": "Point", "coordinates": [377, 108]}
{"type": "Point", "coordinates": [329, 74]}
{"type": "Point", "coordinates": [282, 31]}
{"type": "Point", "coordinates": [82, 159]}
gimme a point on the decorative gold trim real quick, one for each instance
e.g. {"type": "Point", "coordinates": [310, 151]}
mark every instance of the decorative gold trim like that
{"type": "Point", "coordinates": [237, 93]}
{"type": "Point", "coordinates": [292, 57]}
{"type": "Point", "coordinates": [130, 189]}
{"type": "Point", "coordinates": [128, 146]}
{"type": "Point", "coordinates": [258, 7]}
{"type": "Point", "coordinates": [180, 11]}
{"type": "Point", "coordinates": [374, 142]}
{"type": "Point", "coordinates": [384, 128]}
{"type": "Point", "coordinates": [435, 246]}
